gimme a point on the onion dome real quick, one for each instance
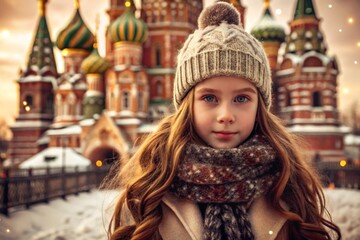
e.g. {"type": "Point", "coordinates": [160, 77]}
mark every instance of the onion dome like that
{"type": "Point", "coordinates": [76, 35]}
{"type": "Point", "coordinates": [94, 63]}
{"type": "Point", "coordinates": [267, 29]}
{"type": "Point", "coordinates": [128, 28]}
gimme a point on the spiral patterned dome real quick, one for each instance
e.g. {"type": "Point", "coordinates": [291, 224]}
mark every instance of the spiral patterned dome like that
{"type": "Point", "coordinates": [76, 35]}
{"type": "Point", "coordinates": [128, 28]}
{"type": "Point", "coordinates": [94, 63]}
{"type": "Point", "coordinates": [267, 29]}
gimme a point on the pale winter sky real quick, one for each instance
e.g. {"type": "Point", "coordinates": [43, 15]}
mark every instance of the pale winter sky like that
{"type": "Point", "coordinates": [85, 217]}
{"type": "Point", "coordinates": [18, 19]}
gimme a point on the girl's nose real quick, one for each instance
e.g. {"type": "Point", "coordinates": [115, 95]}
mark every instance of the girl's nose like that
{"type": "Point", "coordinates": [225, 115]}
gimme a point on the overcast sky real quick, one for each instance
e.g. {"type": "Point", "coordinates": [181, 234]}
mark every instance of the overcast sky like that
{"type": "Point", "coordinates": [18, 20]}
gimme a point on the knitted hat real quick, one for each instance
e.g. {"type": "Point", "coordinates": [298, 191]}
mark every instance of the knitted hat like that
{"type": "Point", "coordinates": [221, 47]}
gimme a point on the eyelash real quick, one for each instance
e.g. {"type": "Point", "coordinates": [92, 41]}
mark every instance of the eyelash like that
{"type": "Point", "coordinates": [214, 99]}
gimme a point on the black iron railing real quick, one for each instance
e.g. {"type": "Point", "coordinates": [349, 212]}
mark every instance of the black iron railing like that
{"type": "Point", "coordinates": [25, 187]}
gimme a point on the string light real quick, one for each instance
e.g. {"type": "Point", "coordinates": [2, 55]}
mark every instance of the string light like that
{"type": "Point", "coordinates": [5, 33]}
{"type": "Point", "coordinates": [345, 91]}
{"type": "Point", "coordinates": [358, 44]}
{"type": "Point", "coordinates": [330, 6]}
{"type": "Point", "coordinates": [350, 20]}
{"type": "Point", "coordinates": [340, 30]}
{"type": "Point", "coordinates": [355, 62]}
{"type": "Point", "coordinates": [278, 11]}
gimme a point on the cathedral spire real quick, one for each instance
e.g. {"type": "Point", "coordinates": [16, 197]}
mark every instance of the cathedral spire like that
{"type": "Point", "coordinates": [305, 34]}
{"type": "Point", "coordinates": [41, 53]}
{"type": "Point", "coordinates": [304, 8]}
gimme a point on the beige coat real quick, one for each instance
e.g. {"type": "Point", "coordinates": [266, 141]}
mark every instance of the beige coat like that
{"type": "Point", "coordinates": [182, 220]}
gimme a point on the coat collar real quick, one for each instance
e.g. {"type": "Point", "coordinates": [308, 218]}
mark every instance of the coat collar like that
{"type": "Point", "coordinates": [265, 220]}
{"type": "Point", "coordinates": [188, 213]}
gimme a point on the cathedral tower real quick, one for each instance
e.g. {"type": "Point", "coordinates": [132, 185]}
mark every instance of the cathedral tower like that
{"type": "Point", "coordinates": [94, 67]}
{"type": "Point", "coordinates": [307, 85]}
{"type": "Point", "coordinates": [271, 34]}
{"type": "Point", "coordinates": [75, 42]}
{"type": "Point", "coordinates": [169, 24]}
{"type": "Point", "coordinates": [126, 82]}
{"type": "Point", "coordinates": [36, 93]}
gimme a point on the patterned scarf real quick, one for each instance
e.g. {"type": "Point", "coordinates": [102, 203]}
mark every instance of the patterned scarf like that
{"type": "Point", "coordinates": [227, 180]}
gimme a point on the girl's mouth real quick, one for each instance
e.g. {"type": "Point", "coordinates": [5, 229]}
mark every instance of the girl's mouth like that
{"type": "Point", "coordinates": [224, 134]}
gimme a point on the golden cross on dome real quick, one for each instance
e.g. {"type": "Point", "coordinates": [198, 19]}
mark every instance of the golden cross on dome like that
{"type": "Point", "coordinates": [267, 3]}
{"type": "Point", "coordinates": [77, 4]}
{"type": "Point", "coordinates": [42, 7]}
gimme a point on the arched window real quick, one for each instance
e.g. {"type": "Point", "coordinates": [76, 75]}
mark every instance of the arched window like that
{"type": "Point", "coordinates": [111, 101]}
{"type": "Point", "coordinates": [59, 107]}
{"type": "Point", "coordinates": [159, 88]}
{"type": "Point", "coordinates": [49, 105]}
{"type": "Point", "coordinates": [316, 99]}
{"type": "Point", "coordinates": [27, 103]}
{"type": "Point", "coordinates": [71, 102]}
{"type": "Point", "coordinates": [140, 101]}
{"type": "Point", "coordinates": [158, 56]}
{"type": "Point", "coordinates": [125, 100]}
{"type": "Point", "coordinates": [288, 99]}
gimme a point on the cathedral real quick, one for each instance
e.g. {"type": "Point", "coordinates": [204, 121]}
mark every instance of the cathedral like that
{"type": "Point", "coordinates": [101, 106]}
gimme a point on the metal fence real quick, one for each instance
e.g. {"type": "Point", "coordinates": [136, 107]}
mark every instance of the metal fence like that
{"type": "Point", "coordinates": [340, 174]}
{"type": "Point", "coordinates": [25, 187]}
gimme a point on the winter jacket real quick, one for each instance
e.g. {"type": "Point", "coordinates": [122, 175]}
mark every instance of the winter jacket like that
{"type": "Point", "coordinates": [182, 220]}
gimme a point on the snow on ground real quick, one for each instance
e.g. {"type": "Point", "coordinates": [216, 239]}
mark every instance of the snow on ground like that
{"type": "Point", "coordinates": [82, 217]}
{"type": "Point", "coordinates": [86, 216]}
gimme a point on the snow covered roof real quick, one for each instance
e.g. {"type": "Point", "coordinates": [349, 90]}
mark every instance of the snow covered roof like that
{"type": "Point", "coordinates": [313, 129]}
{"type": "Point", "coordinates": [129, 121]}
{"type": "Point", "coordinates": [56, 157]}
{"type": "Point", "coordinates": [70, 130]}
{"type": "Point", "coordinates": [351, 139]}
{"type": "Point", "coordinates": [87, 122]}
{"type": "Point", "coordinates": [147, 128]}
{"type": "Point", "coordinates": [30, 124]}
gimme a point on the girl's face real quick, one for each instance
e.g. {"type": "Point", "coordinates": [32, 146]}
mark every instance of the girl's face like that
{"type": "Point", "coordinates": [225, 110]}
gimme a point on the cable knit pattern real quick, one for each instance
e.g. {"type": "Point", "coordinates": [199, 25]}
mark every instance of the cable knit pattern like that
{"type": "Point", "coordinates": [228, 180]}
{"type": "Point", "coordinates": [221, 49]}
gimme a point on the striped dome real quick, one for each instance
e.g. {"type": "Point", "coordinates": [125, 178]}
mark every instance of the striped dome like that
{"type": "Point", "coordinates": [128, 28]}
{"type": "Point", "coordinates": [76, 35]}
{"type": "Point", "coordinates": [94, 63]}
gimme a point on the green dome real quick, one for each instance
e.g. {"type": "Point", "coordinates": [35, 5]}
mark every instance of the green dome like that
{"type": "Point", "coordinates": [267, 29]}
{"type": "Point", "coordinates": [76, 35]}
{"type": "Point", "coordinates": [94, 63]}
{"type": "Point", "coordinates": [128, 28]}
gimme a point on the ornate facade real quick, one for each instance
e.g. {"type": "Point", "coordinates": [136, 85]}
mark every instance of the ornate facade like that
{"type": "Point", "coordinates": [103, 105]}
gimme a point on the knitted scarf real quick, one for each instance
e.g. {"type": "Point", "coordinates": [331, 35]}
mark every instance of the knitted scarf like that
{"type": "Point", "coordinates": [227, 181]}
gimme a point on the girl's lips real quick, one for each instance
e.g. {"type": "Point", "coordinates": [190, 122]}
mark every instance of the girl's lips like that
{"type": "Point", "coordinates": [224, 135]}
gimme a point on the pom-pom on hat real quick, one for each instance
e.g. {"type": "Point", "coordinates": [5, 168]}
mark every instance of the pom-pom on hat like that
{"type": "Point", "coordinates": [221, 47]}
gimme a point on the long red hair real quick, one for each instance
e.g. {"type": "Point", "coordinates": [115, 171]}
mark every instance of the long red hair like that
{"type": "Point", "coordinates": [148, 174]}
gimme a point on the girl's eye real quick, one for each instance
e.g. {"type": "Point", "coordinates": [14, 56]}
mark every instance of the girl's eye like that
{"type": "Point", "coordinates": [209, 98]}
{"type": "Point", "coordinates": [241, 99]}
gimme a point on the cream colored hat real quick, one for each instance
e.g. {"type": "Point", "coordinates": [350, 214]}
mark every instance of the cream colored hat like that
{"type": "Point", "coordinates": [221, 47]}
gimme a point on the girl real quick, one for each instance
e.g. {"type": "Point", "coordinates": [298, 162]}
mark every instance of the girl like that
{"type": "Point", "coordinates": [222, 166]}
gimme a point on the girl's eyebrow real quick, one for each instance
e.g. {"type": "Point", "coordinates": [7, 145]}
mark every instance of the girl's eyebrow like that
{"type": "Point", "coordinates": [215, 91]}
